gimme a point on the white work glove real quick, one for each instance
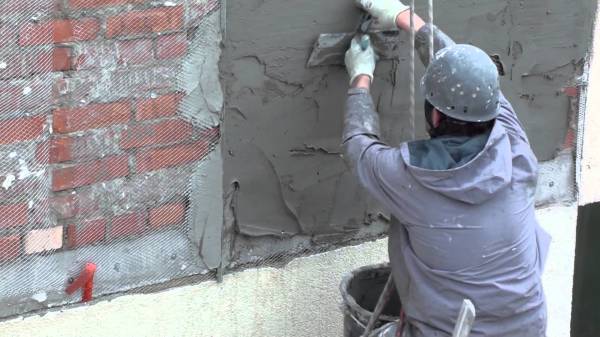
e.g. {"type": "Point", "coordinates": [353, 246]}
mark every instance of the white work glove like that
{"type": "Point", "coordinates": [384, 12]}
{"type": "Point", "coordinates": [359, 61]}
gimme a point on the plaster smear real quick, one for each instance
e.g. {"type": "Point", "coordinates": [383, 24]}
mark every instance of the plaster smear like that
{"type": "Point", "coordinates": [283, 122]}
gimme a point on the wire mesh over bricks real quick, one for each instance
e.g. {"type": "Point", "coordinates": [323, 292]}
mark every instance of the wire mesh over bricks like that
{"type": "Point", "coordinates": [13, 215]}
{"type": "Point", "coordinates": [155, 159]}
{"type": "Point", "coordinates": [91, 117]}
{"type": "Point", "coordinates": [167, 215]}
{"type": "Point", "coordinates": [79, 204]}
{"type": "Point", "coordinates": [33, 95]}
{"type": "Point", "coordinates": [122, 83]}
{"type": "Point", "coordinates": [89, 173]}
{"type": "Point", "coordinates": [89, 4]}
{"type": "Point", "coordinates": [135, 51]}
{"type": "Point", "coordinates": [160, 133]}
{"type": "Point", "coordinates": [58, 31]}
{"type": "Point", "coordinates": [94, 55]}
{"type": "Point", "coordinates": [11, 247]}
{"type": "Point", "coordinates": [153, 108]}
{"type": "Point", "coordinates": [156, 20]}
{"type": "Point", "coordinates": [128, 225]}
{"type": "Point", "coordinates": [94, 144]}
{"type": "Point", "coordinates": [21, 129]}
{"type": "Point", "coordinates": [25, 9]}
{"type": "Point", "coordinates": [87, 233]}
{"type": "Point", "coordinates": [10, 35]}
{"type": "Point", "coordinates": [171, 46]}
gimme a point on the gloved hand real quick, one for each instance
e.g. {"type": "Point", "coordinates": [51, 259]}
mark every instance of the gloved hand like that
{"type": "Point", "coordinates": [383, 11]}
{"type": "Point", "coordinates": [360, 61]}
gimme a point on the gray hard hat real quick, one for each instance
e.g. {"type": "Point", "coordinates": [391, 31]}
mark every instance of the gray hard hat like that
{"type": "Point", "coordinates": [462, 82]}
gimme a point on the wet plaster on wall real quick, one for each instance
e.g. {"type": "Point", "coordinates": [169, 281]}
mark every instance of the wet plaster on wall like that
{"type": "Point", "coordinates": [201, 106]}
{"type": "Point", "coordinates": [282, 122]}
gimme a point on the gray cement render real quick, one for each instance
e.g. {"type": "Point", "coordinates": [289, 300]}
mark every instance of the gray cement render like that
{"type": "Point", "coordinates": [282, 121]}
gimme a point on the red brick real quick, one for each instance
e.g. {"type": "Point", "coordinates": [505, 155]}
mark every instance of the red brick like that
{"type": "Point", "coordinates": [171, 46]}
{"type": "Point", "coordinates": [42, 240]}
{"type": "Point", "coordinates": [155, 159]}
{"type": "Point", "coordinates": [21, 129]}
{"type": "Point", "coordinates": [87, 4]}
{"type": "Point", "coordinates": [148, 21]}
{"type": "Point", "coordinates": [58, 31]}
{"type": "Point", "coordinates": [89, 232]}
{"type": "Point", "coordinates": [161, 133]}
{"type": "Point", "coordinates": [60, 149]}
{"type": "Point", "coordinates": [55, 150]}
{"type": "Point", "coordinates": [90, 117]}
{"type": "Point", "coordinates": [11, 248]}
{"type": "Point", "coordinates": [153, 108]}
{"type": "Point", "coordinates": [571, 91]}
{"type": "Point", "coordinates": [135, 51]}
{"type": "Point", "coordinates": [89, 173]}
{"type": "Point", "coordinates": [13, 215]}
{"type": "Point", "coordinates": [57, 59]}
{"type": "Point", "coordinates": [167, 215]}
{"type": "Point", "coordinates": [129, 224]}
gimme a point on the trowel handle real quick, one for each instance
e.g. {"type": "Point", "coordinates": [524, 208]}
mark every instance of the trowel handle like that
{"type": "Point", "coordinates": [365, 41]}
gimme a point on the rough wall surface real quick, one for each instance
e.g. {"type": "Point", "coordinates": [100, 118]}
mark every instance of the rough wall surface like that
{"type": "Point", "coordinates": [109, 127]}
{"type": "Point", "coordinates": [300, 299]}
{"type": "Point", "coordinates": [282, 122]}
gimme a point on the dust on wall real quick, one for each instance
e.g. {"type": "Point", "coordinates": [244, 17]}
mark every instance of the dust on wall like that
{"type": "Point", "coordinates": [282, 121]}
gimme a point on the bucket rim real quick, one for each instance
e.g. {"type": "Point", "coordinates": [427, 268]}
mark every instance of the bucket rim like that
{"type": "Point", "coordinates": [350, 305]}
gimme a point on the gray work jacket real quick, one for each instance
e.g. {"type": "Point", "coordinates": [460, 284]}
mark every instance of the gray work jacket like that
{"type": "Point", "coordinates": [467, 232]}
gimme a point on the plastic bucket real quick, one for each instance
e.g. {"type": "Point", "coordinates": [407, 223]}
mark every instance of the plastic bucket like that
{"type": "Point", "coordinates": [360, 292]}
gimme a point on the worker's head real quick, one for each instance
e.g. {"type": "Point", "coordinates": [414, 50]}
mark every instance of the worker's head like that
{"type": "Point", "coordinates": [462, 89]}
{"type": "Point", "coordinates": [440, 124]}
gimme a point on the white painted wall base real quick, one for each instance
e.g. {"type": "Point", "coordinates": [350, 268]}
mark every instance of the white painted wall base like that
{"type": "Point", "coordinates": [301, 299]}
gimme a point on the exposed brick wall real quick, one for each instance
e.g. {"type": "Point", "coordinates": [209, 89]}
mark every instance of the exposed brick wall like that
{"type": "Point", "coordinates": [94, 148]}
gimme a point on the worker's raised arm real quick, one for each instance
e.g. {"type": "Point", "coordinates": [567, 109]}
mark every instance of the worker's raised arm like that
{"type": "Point", "coordinates": [373, 161]}
{"type": "Point", "coordinates": [361, 121]}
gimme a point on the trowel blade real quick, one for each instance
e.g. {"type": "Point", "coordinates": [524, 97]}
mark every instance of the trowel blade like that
{"type": "Point", "coordinates": [330, 48]}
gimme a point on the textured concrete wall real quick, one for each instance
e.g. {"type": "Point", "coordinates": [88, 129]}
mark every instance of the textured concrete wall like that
{"type": "Point", "coordinates": [283, 121]}
{"type": "Point", "coordinates": [300, 299]}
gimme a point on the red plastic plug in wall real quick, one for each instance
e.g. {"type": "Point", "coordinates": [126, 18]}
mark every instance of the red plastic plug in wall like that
{"type": "Point", "coordinates": [84, 281]}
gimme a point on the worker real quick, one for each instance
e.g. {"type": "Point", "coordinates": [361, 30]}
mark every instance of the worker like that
{"type": "Point", "coordinates": [462, 202]}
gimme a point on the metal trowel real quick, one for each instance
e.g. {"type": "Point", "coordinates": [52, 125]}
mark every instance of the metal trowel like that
{"type": "Point", "coordinates": [330, 48]}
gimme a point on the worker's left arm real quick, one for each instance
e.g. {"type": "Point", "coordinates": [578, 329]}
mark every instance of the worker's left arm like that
{"type": "Point", "coordinates": [372, 159]}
